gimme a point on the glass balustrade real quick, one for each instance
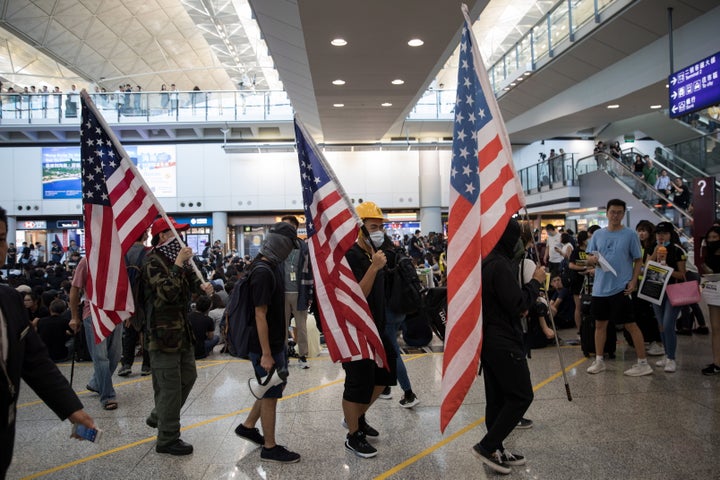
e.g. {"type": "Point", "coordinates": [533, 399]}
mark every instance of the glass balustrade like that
{"type": "Point", "coordinates": [149, 107]}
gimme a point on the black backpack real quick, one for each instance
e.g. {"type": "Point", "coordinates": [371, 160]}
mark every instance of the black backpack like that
{"type": "Point", "coordinates": [133, 266]}
{"type": "Point", "coordinates": [405, 288]}
{"type": "Point", "coordinates": [240, 314]}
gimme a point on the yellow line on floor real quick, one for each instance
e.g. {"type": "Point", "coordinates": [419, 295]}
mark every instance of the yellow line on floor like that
{"type": "Point", "coordinates": [464, 430]}
{"type": "Point", "coordinates": [194, 425]}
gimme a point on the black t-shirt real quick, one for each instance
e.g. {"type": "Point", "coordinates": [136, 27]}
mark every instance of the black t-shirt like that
{"type": "Point", "coordinates": [579, 258]}
{"type": "Point", "coordinates": [267, 288]}
{"type": "Point", "coordinates": [52, 330]}
{"type": "Point", "coordinates": [201, 324]}
{"type": "Point", "coordinates": [360, 262]}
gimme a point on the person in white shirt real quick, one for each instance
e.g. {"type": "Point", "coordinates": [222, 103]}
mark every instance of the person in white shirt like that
{"type": "Point", "coordinates": [553, 250]}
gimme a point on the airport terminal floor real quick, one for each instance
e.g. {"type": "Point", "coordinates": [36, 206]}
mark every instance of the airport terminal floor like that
{"type": "Point", "coordinates": [661, 426]}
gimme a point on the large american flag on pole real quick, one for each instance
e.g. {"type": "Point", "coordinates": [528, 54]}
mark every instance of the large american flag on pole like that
{"type": "Point", "coordinates": [118, 207]}
{"type": "Point", "coordinates": [484, 194]}
{"type": "Point", "coordinates": [332, 229]}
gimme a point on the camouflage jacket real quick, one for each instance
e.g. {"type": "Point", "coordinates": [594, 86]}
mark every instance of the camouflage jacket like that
{"type": "Point", "coordinates": [168, 291]}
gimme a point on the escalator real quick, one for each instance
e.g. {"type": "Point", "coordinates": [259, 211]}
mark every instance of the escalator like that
{"type": "Point", "coordinates": [604, 177]}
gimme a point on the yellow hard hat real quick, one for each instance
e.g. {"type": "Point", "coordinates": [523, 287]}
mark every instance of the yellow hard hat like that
{"type": "Point", "coordinates": [369, 210]}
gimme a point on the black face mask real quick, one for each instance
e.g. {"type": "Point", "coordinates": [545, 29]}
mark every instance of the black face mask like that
{"type": "Point", "coordinates": [712, 247]}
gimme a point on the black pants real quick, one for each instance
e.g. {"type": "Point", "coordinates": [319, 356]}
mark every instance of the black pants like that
{"type": "Point", "coordinates": [508, 393]}
{"type": "Point", "coordinates": [129, 341]}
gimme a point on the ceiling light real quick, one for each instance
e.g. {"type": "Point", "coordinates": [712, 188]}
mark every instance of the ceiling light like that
{"type": "Point", "coordinates": [512, 84]}
{"type": "Point", "coordinates": [338, 42]}
{"type": "Point", "coordinates": [398, 81]}
{"type": "Point", "coordinates": [655, 107]}
{"type": "Point", "coordinates": [338, 82]}
{"type": "Point", "coordinates": [386, 104]}
{"type": "Point", "coordinates": [338, 105]}
{"type": "Point", "coordinates": [613, 106]}
{"type": "Point", "coordinates": [415, 42]}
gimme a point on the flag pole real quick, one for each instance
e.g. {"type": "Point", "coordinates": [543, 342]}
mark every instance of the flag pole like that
{"type": "Point", "coordinates": [552, 321]}
{"type": "Point", "coordinates": [91, 105]}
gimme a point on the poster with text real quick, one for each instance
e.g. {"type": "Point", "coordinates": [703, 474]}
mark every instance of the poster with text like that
{"type": "Point", "coordinates": [655, 279]}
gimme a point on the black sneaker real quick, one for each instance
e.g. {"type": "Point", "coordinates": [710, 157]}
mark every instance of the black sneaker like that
{"type": "Point", "coordinates": [279, 454]}
{"type": "Point", "coordinates": [178, 447]}
{"type": "Point", "coordinates": [124, 371]}
{"type": "Point", "coordinates": [386, 394]}
{"type": "Point", "coordinates": [357, 444]}
{"type": "Point", "coordinates": [493, 460]}
{"type": "Point", "coordinates": [512, 459]}
{"type": "Point", "coordinates": [366, 428]}
{"type": "Point", "coordinates": [702, 330]}
{"type": "Point", "coordinates": [145, 371]}
{"type": "Point", "coordinates": [524, 423]}
{"type": "Point", "coordinates": [409, 400]}
{"type": "Point", "coordinates": [711, 369]}
{"type": "Point", "coordinates": [252, 434]}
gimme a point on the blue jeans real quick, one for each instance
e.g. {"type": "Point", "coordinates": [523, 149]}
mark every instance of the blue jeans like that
{"type": "Point", "coordinates": [666, 315]}
{"type": "Point", "coordinates": [105, 356]}
{"type": "Point", "coordinates": [392, 325]}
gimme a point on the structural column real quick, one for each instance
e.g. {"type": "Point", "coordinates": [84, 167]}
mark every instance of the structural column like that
{"type": "Point", "coordinates": [11, 231]}
{"type": "Point", "coordinates": [219, 228]}
{"type": "Point", "coordinates": [430, 213]}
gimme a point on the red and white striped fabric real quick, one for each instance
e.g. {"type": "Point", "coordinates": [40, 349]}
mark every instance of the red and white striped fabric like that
{"type": "Point", "coordinates": [332, 229]}
{"type": "Point", "coordinates": [484, 194]}
{"type": "Point", "coordinates": [118, 208]}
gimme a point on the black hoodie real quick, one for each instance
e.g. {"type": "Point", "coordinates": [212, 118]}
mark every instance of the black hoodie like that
{"type": "Point", "coordinates": [504, 300]}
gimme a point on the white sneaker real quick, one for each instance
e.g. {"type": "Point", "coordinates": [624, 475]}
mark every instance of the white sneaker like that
{"type": "Point", "coordinates": [661, 362]}
{"type": "Point", "coordinates": [655, 349]}
{"type": "Point", "coordinates": [670, 366]}
{"type": "Point", "coordinates": [639, 369]}
{"type": "Point", "coordinates": [597, 366]}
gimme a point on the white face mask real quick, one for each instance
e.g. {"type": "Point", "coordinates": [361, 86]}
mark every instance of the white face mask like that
{"type": "Point", "coordinates": [377, 238]}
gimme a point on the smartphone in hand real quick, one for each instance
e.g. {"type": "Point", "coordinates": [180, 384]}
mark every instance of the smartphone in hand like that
{"type": "Point", "coordinates": [91, 434]}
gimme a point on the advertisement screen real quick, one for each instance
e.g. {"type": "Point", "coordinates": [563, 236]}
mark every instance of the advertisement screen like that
{"type": "Point", "coordinates": [61, 170]}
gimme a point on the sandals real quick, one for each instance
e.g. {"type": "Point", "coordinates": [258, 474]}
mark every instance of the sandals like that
{"type": "Point", "coordinates": [110, 405]}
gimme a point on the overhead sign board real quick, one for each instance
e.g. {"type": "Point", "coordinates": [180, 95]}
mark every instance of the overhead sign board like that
{"type": "Point", "coordinates": [695, 87]}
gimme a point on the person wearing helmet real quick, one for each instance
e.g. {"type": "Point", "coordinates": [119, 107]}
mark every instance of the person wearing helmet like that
{"type": "Point", "coordinates": [364, 380]}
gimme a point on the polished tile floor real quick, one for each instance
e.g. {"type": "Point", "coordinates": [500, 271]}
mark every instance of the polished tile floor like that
{"type": "Point", "coordinates": [663, 426]}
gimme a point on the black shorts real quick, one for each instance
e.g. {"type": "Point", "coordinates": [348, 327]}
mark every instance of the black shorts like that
{"type": "Point", "coordinates": [361, 377]}
{"type": "Point", "coordinates": [616, 307]}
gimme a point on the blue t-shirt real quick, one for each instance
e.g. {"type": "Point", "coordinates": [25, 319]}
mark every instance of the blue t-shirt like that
{"type": "Point", "coordinates": [619, 248]}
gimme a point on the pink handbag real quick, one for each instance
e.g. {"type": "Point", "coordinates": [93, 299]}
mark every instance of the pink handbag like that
{"type": "Point", "coordinates": [683, 293]}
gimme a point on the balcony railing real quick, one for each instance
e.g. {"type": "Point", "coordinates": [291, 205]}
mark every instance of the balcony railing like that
{"type": "Point", "coordinates": [148, 107]}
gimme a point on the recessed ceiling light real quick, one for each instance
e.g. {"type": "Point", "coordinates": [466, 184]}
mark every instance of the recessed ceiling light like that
{"type": "Point", "coordinates": [398, 81]}
{"type": "Point", "coordinates": [614, 105]}
{"type": "Point", "coordinates": [338, 105]}
{"type": "Point", "coordinates": [655, 107]}
{"type": "Point", "coordinates": [512, 84]}
{"type": "Point", "coordinates": [386, 104]}
{"type": "Point", "coordinates": [338, 82]}
{"type": "Point", "coordinates": [338, 42]}
{"type": "Point", "coordinates": [416, 42]}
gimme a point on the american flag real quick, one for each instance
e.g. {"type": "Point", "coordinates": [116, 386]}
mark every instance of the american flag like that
{"type": "Point", "coordinates": [477, 218]}
{"type": "Point", "coordinates": [332, 229]}
{"type": "Point", "coordinates": [118, 208]}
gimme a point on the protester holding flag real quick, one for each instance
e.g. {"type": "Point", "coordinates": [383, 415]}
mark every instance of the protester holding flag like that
{"type": "Point", "coordinates": [508, 390]}
{"type": "Point", "coordinates": [364, 380]}
{"type": "Point", "coordinates": [350, 325]}
{"type": "Point", "coordinates": [169, 284]}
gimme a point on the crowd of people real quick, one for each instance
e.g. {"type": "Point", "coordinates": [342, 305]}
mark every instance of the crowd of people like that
{"type": "Point", "coordinates": [32, 102]}
{"type": "Point", "coordinates": [652, 329]}
{"type": "Point", "coordinates": [181, 316]}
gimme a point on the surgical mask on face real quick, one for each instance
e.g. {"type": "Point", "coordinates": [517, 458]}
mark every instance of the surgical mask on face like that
{"type": "Point", "coordinates": [665, 244]}
{"type": "Point", "coordinates": [377, 238]}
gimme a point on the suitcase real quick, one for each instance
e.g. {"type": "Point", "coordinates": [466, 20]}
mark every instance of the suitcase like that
{"type": "Point", "coordinates": [587, 327]}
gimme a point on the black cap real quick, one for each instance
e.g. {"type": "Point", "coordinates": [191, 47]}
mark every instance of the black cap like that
{"type": "Point", "coordinates": [664, 227]}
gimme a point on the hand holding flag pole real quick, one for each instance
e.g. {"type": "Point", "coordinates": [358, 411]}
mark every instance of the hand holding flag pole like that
{"type": "Point", "coordinates": [89, 104]}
